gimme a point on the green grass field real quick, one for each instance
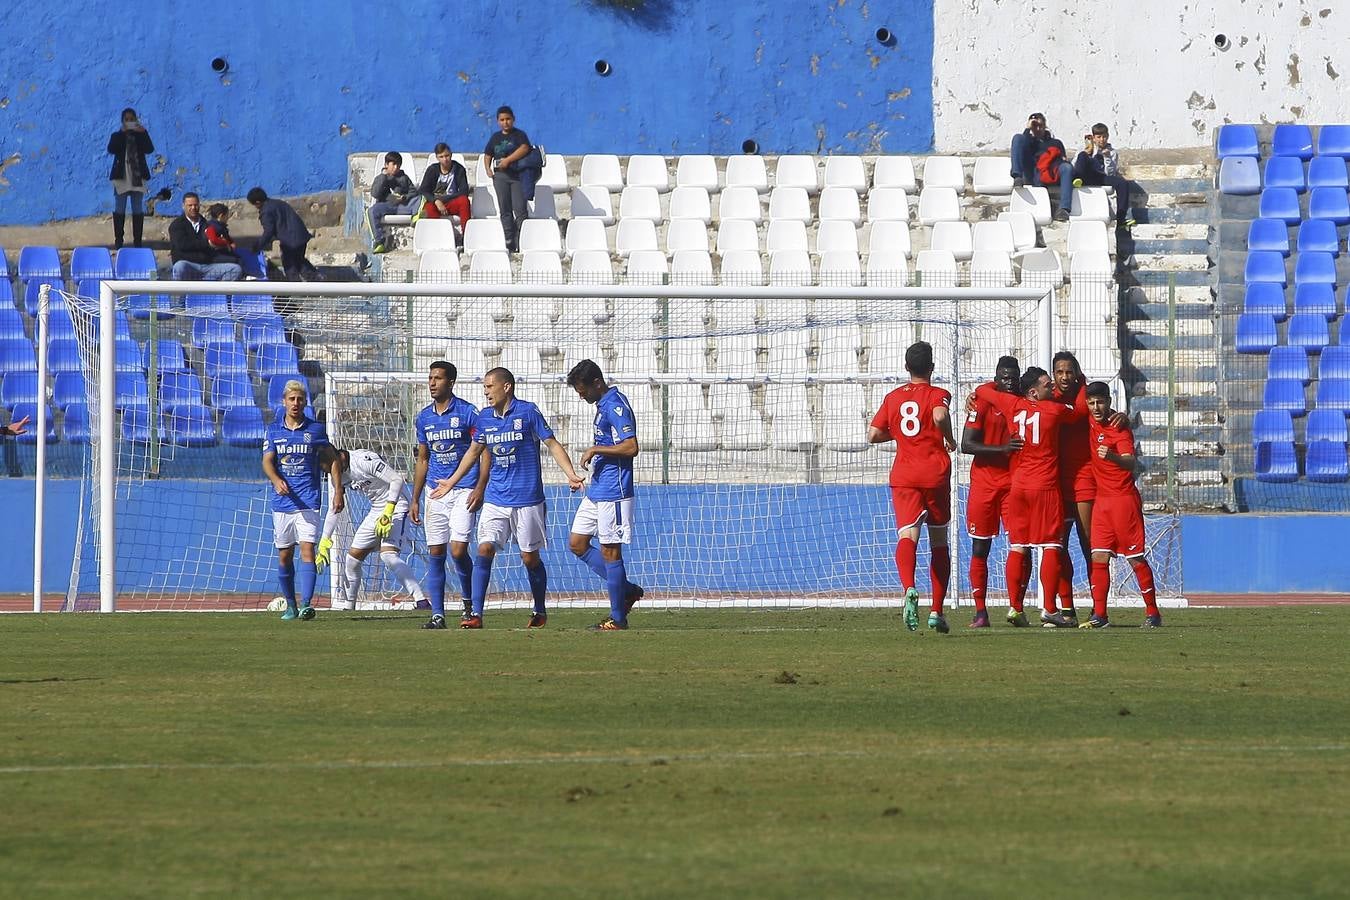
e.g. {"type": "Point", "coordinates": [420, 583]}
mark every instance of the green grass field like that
{"type": "Point", "coordinates": [701, 754]}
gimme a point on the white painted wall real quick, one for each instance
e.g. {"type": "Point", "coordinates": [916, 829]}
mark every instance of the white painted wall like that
{"type": "Point", "coordinates": [1149, 69]}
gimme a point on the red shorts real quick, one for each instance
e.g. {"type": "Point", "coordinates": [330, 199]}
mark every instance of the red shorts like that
{"type": "Point", "coordinates": [986, 506]}
{"type": "Point", "coordinates": [1118, 526]}
{"type": "Point", "coordinates": [1035, 518]}
{"type": "Point", "coordinates": [1077, 487]}
{"type": "Point", "coordinates": [914, 506]}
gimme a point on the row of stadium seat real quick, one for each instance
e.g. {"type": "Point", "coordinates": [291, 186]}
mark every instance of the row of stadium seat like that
{"type": "Point", "coordinates": [1243, 175]}
{"type": "Point", "coordinates": [1270, 299]}
{"type": "Point", "coordinates": [1290, 139]}
{"type": "Point", "coordinates": [1310, 267]}
{"type": "Point", "coordinates": [1274, 440]}
{"type": "Point", "coordinates": [1286, 204]}
{"type": "Point", "coordinates": [18, 354]}
{"type": "Point", "coordinates": [1272, 235]}
{"type": "Point", "coordinates": [1259, 332]}
{"type": "Point", "coordinates": [132, 264]}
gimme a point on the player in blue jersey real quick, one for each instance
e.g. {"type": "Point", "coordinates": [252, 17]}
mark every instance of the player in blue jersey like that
{"type": "Point", "coordinates": [509, 430]}
{"type": "Point", "coordinates": [295, 454]}
{"type": "Point", "coordinates": [444, 437]}
{"type": "Point", "coordinates": [607, 511]}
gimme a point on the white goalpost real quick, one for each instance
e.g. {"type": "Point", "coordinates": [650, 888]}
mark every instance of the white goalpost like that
{"type": "Point", "coordinates": [755, 483]}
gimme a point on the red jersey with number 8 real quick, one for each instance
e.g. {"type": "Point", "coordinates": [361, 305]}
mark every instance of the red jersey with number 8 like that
{"type": "Point", "coordinates": [921, 459]}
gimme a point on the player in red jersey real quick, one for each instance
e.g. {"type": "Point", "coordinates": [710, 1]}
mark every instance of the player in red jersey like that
{"type": "Point", "coordinates": [917, 416]}
{"type": "Point", "coordinates": [1076, 484]}
{"type": "Point", "coordinates": [989, 440]}
{"type": "Point", "coordinates": [1035, 510]}
{"type": "Point", "coordinates": [1118, 519]}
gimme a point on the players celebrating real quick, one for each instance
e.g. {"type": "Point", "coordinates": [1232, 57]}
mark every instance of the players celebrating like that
{"type": "Point", "coordinates": [1077, 487]}
{"type": "Point", "coordinates": [917, 416]}
{"type": "Point", "coordinates": [295, 450]}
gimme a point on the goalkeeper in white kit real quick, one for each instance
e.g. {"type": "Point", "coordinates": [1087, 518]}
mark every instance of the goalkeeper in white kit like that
{"type": "Point", "coordinates": [367, 473]}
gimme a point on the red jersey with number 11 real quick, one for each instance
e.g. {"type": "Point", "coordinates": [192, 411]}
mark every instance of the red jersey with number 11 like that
{"type": "Point", "coordinates": [1038, 423]}
{"type": "Point", "coordinates": [921, 460]}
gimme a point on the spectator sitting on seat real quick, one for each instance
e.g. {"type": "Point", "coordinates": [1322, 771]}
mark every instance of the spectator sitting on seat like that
{"type": "Point", "coordinates": [283, 224]}
{"type": "Point", "coordinates": [504, 150]}
{"type": "Point", "coordinates": [445, 190]}
{"type": "Point", "coordinates": [1038, 157]}
{"type": "Point", "coordinates": [218, 229]}
{"type": "Point", "coordinates": [1098, 164]}
{"type": "Point", "coordinates": [394, 195]}
{"type": "Point", "coordinates": [191, 251]}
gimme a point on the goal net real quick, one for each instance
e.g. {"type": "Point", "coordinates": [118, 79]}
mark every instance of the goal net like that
{"type": "Point", "coordinates": [756, 484]}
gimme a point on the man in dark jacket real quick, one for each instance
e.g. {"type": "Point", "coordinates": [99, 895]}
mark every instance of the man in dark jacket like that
{"type": "Point", "coordinates": [394, 195]}
{"type": "Point", "coordinates": [193, 256]}
{"type": "Point", "coordinates": [283, 224]}
{"type": "Point", "coordinates": [1027, 149]}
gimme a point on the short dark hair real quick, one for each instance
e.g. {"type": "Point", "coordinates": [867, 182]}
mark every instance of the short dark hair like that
{"type": "Point", "coordinates": [1007, 362]}
{"type": "Point", "coordinates": [451, 373]}
{"type": "Point", "coordinates": [1099, 389]}
{"type": "Point", "coordinates": [1032, 375]}
{"type": "Point", "coordinates": [919, 359]}
{"type": "Point", "coordinates": [506, 109]}
{"type": "Point", "coordinates": [1062, 355]}
{"type": "Point", "coordinates": [442, 146]}
{"type": "Point", "coordinates": [502, 374]}
{"type": "Point", "coordinates": [191, 194]}
{"type": "Point", "coordinates": [584, 372]}
{"type": "Point", "coordinates": [1037, 115]}
{"type": "Point", "coordinates": [129, 110]}
{"type": "Point", "coordinates": [1100, 128]}
{"type": "Point", "coordinates": [394, 157]}
{"type": "Point", "coordinates": [257, 195]}
{"type": "Point", "coordinates": [217, 210]}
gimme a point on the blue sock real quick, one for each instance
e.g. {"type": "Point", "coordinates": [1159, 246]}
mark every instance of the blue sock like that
{"type": "Point", "coordinates": [538, 586]}
{"type": "Point", "coordinates": [482, 574]}
{"type": "Point", "coordinates": [436, 585]}
{"type": "Point", "coordinates": [464, 566]}
{"type": "Point", "coordinates": [286, 579]}
{"type": "Point", "coordinates": [594, 561]}
{"type": "Point", "coordinates": [616, 579]}
{"type": "Point", "coordinates": [307, 573]}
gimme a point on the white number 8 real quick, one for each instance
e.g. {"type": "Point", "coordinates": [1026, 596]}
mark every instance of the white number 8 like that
{"type": "Point", "coordinates": [909, 418]}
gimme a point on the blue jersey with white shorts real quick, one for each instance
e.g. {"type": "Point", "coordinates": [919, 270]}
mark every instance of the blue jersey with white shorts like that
{"type": "Point", "coordinates": [612, 476]}
{"type": "Point", "coordinates": [297, 462]}
{"type": "Point", "coordinates": [511, 440]}
{"type": "Point", "coordinates": [447, 437]}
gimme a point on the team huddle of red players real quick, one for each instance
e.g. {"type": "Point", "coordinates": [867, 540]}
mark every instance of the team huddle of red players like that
{"type": "Point", "coordinates": [1049, 455]}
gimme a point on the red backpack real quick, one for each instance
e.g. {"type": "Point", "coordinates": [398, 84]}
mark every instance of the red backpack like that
{"type": "Point", "coordinates": [1047, 164]}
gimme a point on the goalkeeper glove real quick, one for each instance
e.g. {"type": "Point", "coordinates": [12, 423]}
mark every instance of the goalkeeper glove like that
{"type": "Point", "coordinates": [321, 557]}
{"type": "Point", "coordinates": [385, 523]}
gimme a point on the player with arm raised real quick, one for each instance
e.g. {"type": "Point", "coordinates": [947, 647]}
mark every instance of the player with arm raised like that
{"type": "Point", "coordinates": [1035, 509]}
{"type": "Point", "coordinates": [444, 437]}
{"type": "Point", "coordinates": [917, 416]}
{"type": "Point", "coordinates": [509, 430]}
{"type": "Point", "coordinates": [295, 452]}
{"type": "Point", "coordinates": [1118, 519]}
{"type": "Point", "coordinates": [987, 437]}
{"type": "Point", "coordinates": [382, 527]}
{"type": "Point", "coordinates": [607, 510]}
{"type": "Point", "coordinates": [1076, 484]}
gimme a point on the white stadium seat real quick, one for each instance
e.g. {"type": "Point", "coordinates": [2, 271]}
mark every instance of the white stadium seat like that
{"type": "Point", "coordinates": [1023, 228]}
{"type": "Point", "coordinates": [790, 203]}
{"type": "Point", "coordinates": [1090, 264]}
{"type": "Point", "coordinates": [640, 202]}
{"type": "Point", "coordinates": [894, 172]}
{"type": "Point", "coordinates": [939, 204]}
{"type": "Point", "coordinates": [840, 267]}
{"type": "Point", "coordinates": [554, 175]}
{"type": "Point", "coordinates": [586, 234]}
{"type": "Point", "coordinates": [887, 270]}
{"type": "Point", "coordinates": [944, 172]}
{"type": "Point", "coordinates": [691, 203]}
{"type": "Point", "coordinates": [686, 234]}
{"type": "Point", "coordinates": [888, 204]}
{"type": "Point", "coordinates": [483, 204]}
{"type": "Point", "coordinates": [648, 266]}
{"type": "Point", "coordinates": [439, 265]}
{"type": "Point", "coordinates": [481, 234]}
{"type": "Point", "coordinates": [648, 171]}
{"type": "Point", "coordinates": [592, 202]}
{"type": "Point", "coordinates": [845, 172]}
{"type": "Point", "coordinates": [742, 267]}
{"type": "Point", "coordinates": [738, 202]}
{"type": "Point", "coordinates": [993, 175]}
{"type": "Point", "coordinates": [787, 357]}
{"type": "Point", "coordinates": [697, 170]}
{"type": "Point", "coordinates": [1086, 234]}
{"type": "Point", "coordinates": [889, 237]}
{"type": "Point", "coordinates": [840, 203]}
{"type": "Point", "coordinates": [837, 235]}
{"type": "Point", "coordinates": [1042, 268]}
{"type": "Point", "coordinates": [737, 234]}
{"type": "Point", "coordinates": [693, 267]}
{"type": "Point", "coordinates": [785, 234]}
{"type": "Point", "coordinates": [540, 234]}
{"type": "Point", "coordinates": [747, 171]}
{"type": "Point", "coordinates": [954, 237]}
{"type": "Point", "coordinates": [993, 236]}
{"type": "Point", "coordinates": [540, 267]}
{"type": "Point", "coordinates": [543, 206]}
{"type": "Point", "coordinates": [790, 267]}
{"type": "Point", "coordinates": [1034, 200]}
{"type": "Point", "coordinates": [936, 268]}
{"type": "Point", "coordinates": [592, 267]}
{"type": "Point", "coordinates": [991, 268]}
{"type": "Point", "coordinates": [435, 234]}
{"type": "Point", "coordinates": [797, 170]}
{"type": "Point", "coordinates": [601, 170]}
{"type": "Point", "coordinates": [634, 234]}
{"type": "Point", "coordinates": [1091, 203]}
{"type": "Point", "coordinates": [490, 267]}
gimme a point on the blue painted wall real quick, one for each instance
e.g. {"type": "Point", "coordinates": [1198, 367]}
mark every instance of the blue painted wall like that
{"type": "Point", "coordinates": [310, 81]}
{"type": "Point", "coordinates": [1265, 554]}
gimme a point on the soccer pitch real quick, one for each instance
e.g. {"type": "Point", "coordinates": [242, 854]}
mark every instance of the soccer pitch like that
{"type": "Point", "coordinates": [701, 754]}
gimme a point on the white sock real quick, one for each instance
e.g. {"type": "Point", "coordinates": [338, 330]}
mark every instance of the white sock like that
{"type": "Point", "coordinates": [353, 567]}
{"type": "Point", "coordinates": [402, 572]}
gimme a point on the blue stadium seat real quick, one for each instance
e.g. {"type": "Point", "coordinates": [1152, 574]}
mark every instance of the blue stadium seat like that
{"type": "Point", "coordinates": [63, 356]}
{"type": "Point", "coordinates": [75, 424]}
{"type": "Point", "coordinates": [277, 359]}
{"type": "Point", "coordinates": [191, 426]}
{"type": "Point", "coordinates": [59, 324]}
{"type": "Point", "coordinates": [30, 411]}
{"type": "Point", "coordinates": [232, 389]}
{"type": "Point", "coordinates": [1334, 362]}
{"type": "Point", "coordinates": [1327, 171]}
{"type": "Point", "coordinates": [1255, 333]}
{"type": "Point", "coordinates": [89, 287]}
{"type": "Point", "coordinates": [1292, 140]}
{"type": "Point", "coordinates": [6, 289]}
{"type": "Point", "coordinates": [1326, 462]}
{"type": "Point", "coordinates": [169, 356]}
{"type": "Point", "coordinates": [1264, 266]}
{"type": "Point", "coordinates": [211, 331]}
{"type": "Point", "coordinates": [1276, 462]}
{"type": "Point", "coordinates": [262, 331]}
{"type": "Point", "coordinates": [11, 324]}
{"type": "Point", "coordinates": [1315, 297]}
{"type": "Point", "coordinates": [1334, 394]}
{"type": "Point", "coordinates": [19, 387]}
{"type": "Point", "coordinates": [1239, 175]}
{"type": "Point", "coordinates": [90, 262]}
{"type": "Point", "coordinates": [1314, 268]}
{"type": "Point", "coordinates": [215, 305]}
{"type": "Point", "coordinates": [180, 389]}
{"type": "Point", "coordinates": [254, 264]}
{"type": "Point", "coordinates": [1268, 234]}
{"type": "Point", "coordinates": [249, 306]}
{"type": "Point", "coordinates": [32, 289]}
{"type": "Point", "coordinates": [1281, 203]}
{"type": "Point", "coordinates": [276, 389]}
{"type": "Point", "coordinates": [1329, 203]}
{"type": "Point", "coordinates": [16, 355]}
{"type": "Point", "coordinates": [139, 305]}
{"type": "Point", "coordinates": [1272, 426]}
{"type": "Point", "coordinates": [126, 356]}
{"type": "Point", "coordinates": [243, 426]}
{"type": "Point", "coordinates": [1309, 331]}
{"type": "Point", "coordinates": [1285, 394]}
{"type": "Point", "coordinates": [1326, 425]}
{"type": "Point", "coordinates": [39, 262]}
{"type": "Point", "coordinates": [1319, 236]}
{"type": "Point", "coordinates": [1284, 172]}
{"type": "Point", "coordinates": [129, 390]}
{"type": "Point", "coordinates": [67, 388]}
{"type": "Point", "coordinates": [1288, 362]}
{"type": "Point", "coordinates": [136, 264]}
{"type": "Point", "coordinates": [5, 270]}
{"type": "Point", "coordinates": [1238, 140]}
{"type": "Point", "coordinates": [228, 356]}
{"type": "Point", "coordinates": [1333, 140]}
{"type": "Point", "coordinates": [136, 424]}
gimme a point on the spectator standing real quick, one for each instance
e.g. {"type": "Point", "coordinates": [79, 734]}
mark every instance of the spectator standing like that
{"type": "Point", "coordinates": [394, 195]}
{"type": "Point", "coordinates": [129, 146]}
{"type": "Point", "coordinates": [504, 150]}
{"type": "Point", "coordinates": [1098, 164]}
{"type": "Point", "coordinates": [445, 190]}
{"type": "Point", "coordinates": [1038, 157]}
{"type": "Point", "coordinates": [281, 223]}
{"type": "Point", "coordinates": [190, 249]}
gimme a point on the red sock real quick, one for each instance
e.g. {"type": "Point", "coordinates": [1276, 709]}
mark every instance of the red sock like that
{"type": "Point", "coordinates": [1049, 577]}
{"type": "Point", "coordinates": [1144, 573]}
{"type": "Point", "coordinates": [1101, 587]}
{"type": "Point", "coordinates": [905, 553]}
{"type": "Point", "coordinates": [979, 580]}
{"type": "Point", "coordinates": [1065, 587]}
{"type": "Point", "coordinates": [940, 569]}
{"type": "Point", "coordinates": [1016, 578]}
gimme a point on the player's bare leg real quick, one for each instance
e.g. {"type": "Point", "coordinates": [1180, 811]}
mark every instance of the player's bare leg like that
{"type": "Point", "coordinates": [1019, 564]}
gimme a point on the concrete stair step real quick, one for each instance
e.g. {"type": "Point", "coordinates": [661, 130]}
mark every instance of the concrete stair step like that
{"type": "Point", "coordinates": [1171, 231]}
{"type": "Point", "coordinates": [1155, 419]}
{"type": "Point", "coordinates": [1184, 327]}
{"type": "Point", "coordinates": [1172, 262]}
{"type": "Point", "coordinates": [1144, 174]}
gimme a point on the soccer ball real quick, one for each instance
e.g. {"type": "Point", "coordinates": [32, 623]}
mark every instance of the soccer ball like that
{"type": "Point", "coordinates": [276, 604]}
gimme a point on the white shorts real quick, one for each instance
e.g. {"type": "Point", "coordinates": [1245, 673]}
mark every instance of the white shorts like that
{"type": "Point", "coordinates": [448, 518]}
{"type": "Point", "coordinates": [611, 520]}
{"type": "Point", "coordinates": [365, 534]}
{"type": "Point", "coordinates": [499, 525]}
{"type": "Point", "coordinates": [291, 528]}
